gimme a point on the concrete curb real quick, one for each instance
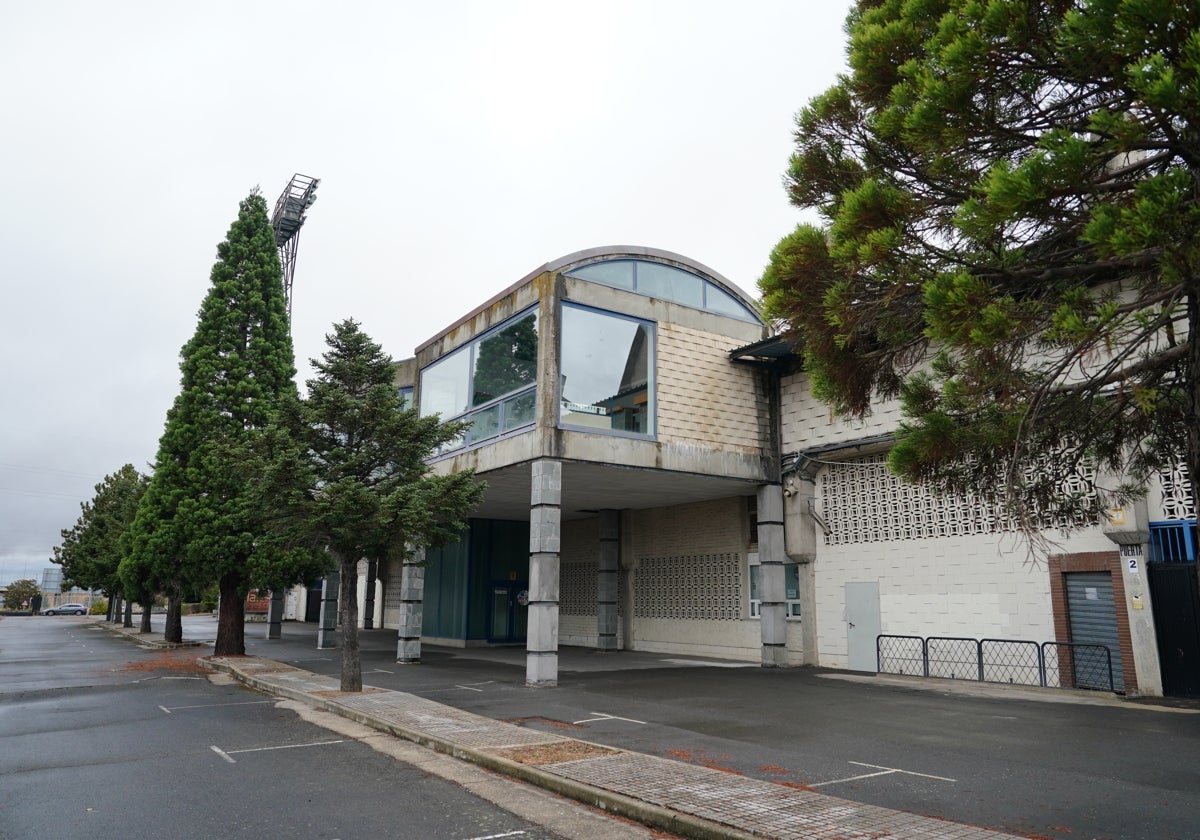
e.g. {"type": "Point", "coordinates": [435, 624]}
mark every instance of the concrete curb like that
{"type": "Point", "coordinates": [647, 813]}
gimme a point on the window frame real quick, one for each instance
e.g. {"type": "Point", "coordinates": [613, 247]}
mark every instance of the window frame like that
{"type": "Point", "coordinates": [794, 611]}
{"type": "Point", "coordinates": [747, 315]}
{"type": "Point", "coordinates": [497, 403]}
{"type": "Point", "coordinates": [651, 373]}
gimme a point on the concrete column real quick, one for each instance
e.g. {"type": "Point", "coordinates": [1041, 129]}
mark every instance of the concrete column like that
{"type": "Point", "coordinates": [545, 518]}
{"type": "Point", "coordinates": [327, 628]}
{"type": "Point", "coordinates": [412, 608]}
{"type": "Point", "coordinates": [772, 592]}
{"type": "Point", "coordinates": [606, 580]}
{"type": "Point", "coordinates": [369, 600]}
{"type": "Point", "coordinates": [800, 536]}
{"type": "Point", "coordinates": [275, 615]}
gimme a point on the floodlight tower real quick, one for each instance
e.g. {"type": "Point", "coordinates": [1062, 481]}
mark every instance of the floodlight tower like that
{"type": "Point", "coordinates": [290, 213]}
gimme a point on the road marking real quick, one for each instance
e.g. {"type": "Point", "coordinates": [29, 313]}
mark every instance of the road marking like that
{"type": "Point", "coordinates": [380, 671]}
{"type": "Point", "coordinates": [883, 771]}
{"type": "Point", "coordinates": [498, 836]}
{"type": "Point", "coordinates": [211, 705]}
{"type": "Point", "coordinates": [464, 687]}
{"type": "Point", "coordinates": [704, 663]}
{"type": "Point", "coordinates": [228, 755]}
{"type": "Point", "coordinates": [603, 716]}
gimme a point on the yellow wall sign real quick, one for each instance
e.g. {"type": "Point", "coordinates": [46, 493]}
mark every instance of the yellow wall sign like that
{"type": "Point", "coordinates": [1116, 516]}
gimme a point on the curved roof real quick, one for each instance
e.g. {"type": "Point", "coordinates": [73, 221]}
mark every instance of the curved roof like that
{"type": "Point", "coordinates": [613, 252]}
{"type": "Point", "coordinates": [636, 252]}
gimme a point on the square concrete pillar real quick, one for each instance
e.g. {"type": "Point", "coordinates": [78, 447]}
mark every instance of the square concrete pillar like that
{"type": "Point", "coordinates": [327, 628]}
{"type": "Point", "coordinates": [545, 539]}
{"type": "Point", "coordinates": [412, 608]}
{"type": "Point", "coordinates": [607, 581]}
{"type": "Point", "coordinates": [772, 555]}
{"type": "Point", "coordinates": [275, 615]}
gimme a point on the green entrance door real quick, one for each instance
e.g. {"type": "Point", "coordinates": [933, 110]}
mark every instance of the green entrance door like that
{"type": "Point", "coordinates": [508, 608]}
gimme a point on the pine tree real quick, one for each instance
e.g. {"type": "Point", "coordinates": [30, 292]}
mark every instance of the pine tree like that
{"type": "Point", "coordinates": [1011, 243]}
{"type": "Point", "coordinates": [347, 472]}
{"type": "Point", "coordinates": [194, 526]}
{"type": "Point", "coordinates": [92, 549]}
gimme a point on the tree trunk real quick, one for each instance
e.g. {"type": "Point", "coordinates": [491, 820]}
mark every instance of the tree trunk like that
{"type": "Point", "coordinates": [231, 620]}
{"type": "Point", "coordinates": [146, 610]}
{"type": "Point", "coordinates": [173, 632]}
{"type": "Point", "coordinates": [128, 622]}
{"type": "Point", "coordinates": [348, 611]}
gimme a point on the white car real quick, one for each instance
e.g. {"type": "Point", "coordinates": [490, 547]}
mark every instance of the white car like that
{"type": "Point", "coordinates": [66, 609]}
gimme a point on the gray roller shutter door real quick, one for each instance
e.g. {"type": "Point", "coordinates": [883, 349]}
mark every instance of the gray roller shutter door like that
{"type": "Point", "coordinates": [1093, 618]}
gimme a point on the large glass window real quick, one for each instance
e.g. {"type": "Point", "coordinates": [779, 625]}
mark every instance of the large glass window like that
{"type": "Point", "coordinates": [666, 282]}
{"type": "Point", "coordinates": [491, 382]}
{"type": "Point", "coordinates": [607, 372]}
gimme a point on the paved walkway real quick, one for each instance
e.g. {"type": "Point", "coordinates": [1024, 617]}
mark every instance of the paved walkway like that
{"type": "Point", "coordinates": [685, 799]}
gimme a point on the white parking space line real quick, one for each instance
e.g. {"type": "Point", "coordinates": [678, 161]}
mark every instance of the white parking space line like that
{"type": "Point", "coordinates": [602, 716]}
{"type": "Point", "coordinates": [228, 755]}
{"type": "Point", "coordinates": [711, 664]}
{"type": "Point", "coordinates": [463, 687]}
{"type": "Point", "coordinates": [882, 771]}
{"type": "Point", "coordinates": [498, 836]}
{"type": "Point", "coordinates": [212, 705]}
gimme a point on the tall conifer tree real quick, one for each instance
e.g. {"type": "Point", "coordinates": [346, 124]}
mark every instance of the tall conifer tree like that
{"type": "Point", "coordinates": [347, 472]}
{"type": "Point", "coordinates": [194, 525]}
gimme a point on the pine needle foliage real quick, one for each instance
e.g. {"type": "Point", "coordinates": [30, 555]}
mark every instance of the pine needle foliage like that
{"type": "Point", "coordinates": [92, 549]}
{"type": "Point", "coordinates": [345, 470]}
{"type": "Point", "coordinates": [1009, 242]}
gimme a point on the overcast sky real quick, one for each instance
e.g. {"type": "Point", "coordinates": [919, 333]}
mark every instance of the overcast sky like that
{"type": "Point", "coordinates": [460, 145]}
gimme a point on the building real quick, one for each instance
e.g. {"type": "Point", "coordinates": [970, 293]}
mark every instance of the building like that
{"type": "Point", "coordinates": [660, 478]}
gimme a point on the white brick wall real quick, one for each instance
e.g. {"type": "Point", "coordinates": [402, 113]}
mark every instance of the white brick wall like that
{"type": "Point", "coordinates": [703, 397]}
{"type": "Point", "coordinates": [805, 421]}
{"type": "Point", "coordinates": [983, 586]}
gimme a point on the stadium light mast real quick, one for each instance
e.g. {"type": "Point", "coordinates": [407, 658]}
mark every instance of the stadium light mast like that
{"type": "Point", "coordinates": [290, 212]}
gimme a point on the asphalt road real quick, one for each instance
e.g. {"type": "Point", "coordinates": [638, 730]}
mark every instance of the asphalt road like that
{"type": "Point", "coordinates": [101, 738]}
{"type": "Point", "coordinates": [1040, 769]}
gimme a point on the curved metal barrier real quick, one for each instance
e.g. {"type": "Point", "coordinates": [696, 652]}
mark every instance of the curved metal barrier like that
{"type": "Point", "coordinates": [1014, 661]}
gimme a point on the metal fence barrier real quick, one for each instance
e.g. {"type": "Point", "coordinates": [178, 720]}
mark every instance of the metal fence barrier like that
{"type": "Point", "coordinates": [1014, 661]}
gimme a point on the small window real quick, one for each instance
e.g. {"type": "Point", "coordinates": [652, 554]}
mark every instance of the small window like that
{"type": "Point", "coordinates": [406, 397]}
{"type": "Point", "coordinates": [791, 587]}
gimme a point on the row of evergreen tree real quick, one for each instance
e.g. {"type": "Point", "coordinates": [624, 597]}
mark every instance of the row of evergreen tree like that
{"type": "Point", "coordinates": [257, 487]}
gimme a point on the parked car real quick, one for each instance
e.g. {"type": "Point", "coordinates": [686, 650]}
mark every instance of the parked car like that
{"type": "Point", "coordinates": [66, 609]}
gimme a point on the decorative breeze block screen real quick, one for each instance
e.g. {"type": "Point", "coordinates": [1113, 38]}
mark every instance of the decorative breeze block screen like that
{"type": "Point", "coordinates": [862, 501]}
{"type": "Point", "coordinates": [1176, 492]}
{"type": "Point", "coordinates": [577, 587]}
{"type": "Point", "coordinates": [698, 586]}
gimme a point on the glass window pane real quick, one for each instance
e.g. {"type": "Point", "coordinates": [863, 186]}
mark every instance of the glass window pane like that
{"type": "Point", "coordinates": [506, 361]}
{"type": "Point", "coordinates": [607, 366]}
{"type": "Point", "coordinates": [444, 385]}
{"type": "Point", "coordinates": [617, 273]}
{"type": "Point", "coordinates": [669, 283]}
{"type": "Point", "coordinates": [406, 396]}
{"type": "Point", "coordinates": [754, 582]}
{"type": "Point", "coordinates": [791, 581]}
{"type": "Point", "coordinates": [720, 301]}
{"type": "Point", "coordinates": [485, 424]}
{"type": "Point", "coordinates": [520, 410]}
